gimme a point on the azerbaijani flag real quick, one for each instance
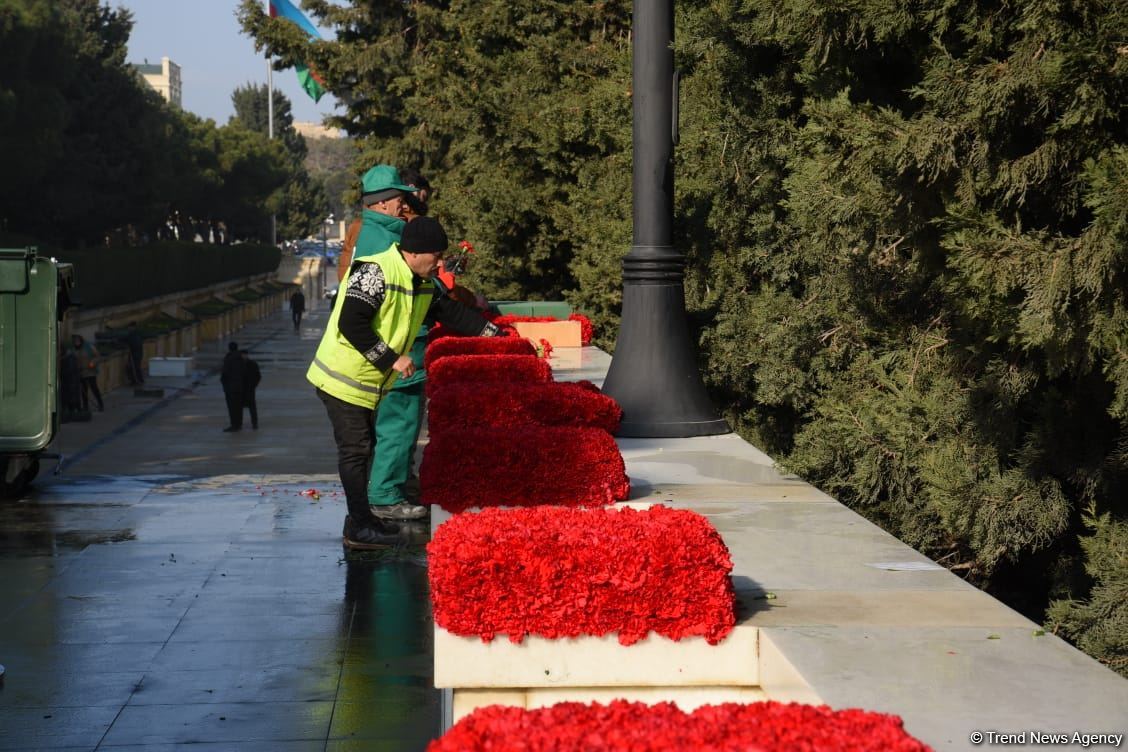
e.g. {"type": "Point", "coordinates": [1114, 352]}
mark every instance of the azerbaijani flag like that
{"type": "Point", "coordinates": [310, 82]}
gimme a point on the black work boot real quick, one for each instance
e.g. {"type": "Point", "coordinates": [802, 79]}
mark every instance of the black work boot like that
{"type": "Point", "coordinates": [370, 534]}
{"type": "Point", "coordinates": [399, 512]}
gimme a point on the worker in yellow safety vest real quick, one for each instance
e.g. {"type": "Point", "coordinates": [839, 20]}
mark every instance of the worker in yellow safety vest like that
{"type": "Point", "coordinates": [366, 346]}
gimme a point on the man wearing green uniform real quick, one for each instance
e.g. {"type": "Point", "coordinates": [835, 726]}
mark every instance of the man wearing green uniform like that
{"type": "Point", "coordinates": [400, 417]}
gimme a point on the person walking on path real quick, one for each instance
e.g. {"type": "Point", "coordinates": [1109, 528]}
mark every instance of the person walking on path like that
{"type": "Point", "coordinates": [87, 356]}
{"type": "Point", "coordinates": [70, 386]}
{"type": "Point", "coordinates": [251, 378]}
{"type": "Point", "coordinates": [297, 308]}
{"type": "Point", "coordinates": [364, 350]}
{"type": "Point", "coordinates": [136, 345]}
{"type": "Point", "coordinates": [232, 378]}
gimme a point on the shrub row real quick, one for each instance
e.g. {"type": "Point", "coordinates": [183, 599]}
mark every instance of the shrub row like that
{"type": "Point", "coordinates": [115, 276]}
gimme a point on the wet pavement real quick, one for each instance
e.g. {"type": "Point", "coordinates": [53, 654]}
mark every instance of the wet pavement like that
{"type": "Point", "coordinates": [177, 585]}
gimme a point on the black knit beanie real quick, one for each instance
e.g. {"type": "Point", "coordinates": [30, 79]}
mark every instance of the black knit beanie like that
{"type": "Point", "coordinates": [423, 235]}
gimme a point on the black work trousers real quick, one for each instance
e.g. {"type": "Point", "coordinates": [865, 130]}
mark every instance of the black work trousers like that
{"type": "Point", "coordinates": [297, 317]}
{"type": "Point", "coordinates": [90, 386]}
{"type": "Point", "coordinates": [354, 433]}
{"type": "Point", "coordinates": [234, 407]}
{"type": "Point", "coordinates": [249, 403]}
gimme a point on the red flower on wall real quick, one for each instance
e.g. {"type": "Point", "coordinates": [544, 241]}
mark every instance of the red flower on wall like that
{"type": "Point", "coordinates": [586, 331]}
{"type": "Point", "coordinates": [476, 346]}
{"type": "Point", "coordinates": [557, 572]}
{"type": "Point", "coordinates": [521, 466]}
{"type": "Point", "coordinates": [480, 405]}
{"type": "Point", "coordinates": [506, 322]}
{"type": "Point", "coordinates": [456, 369]}
{"type": "Point", "coordinates": [637, 727]}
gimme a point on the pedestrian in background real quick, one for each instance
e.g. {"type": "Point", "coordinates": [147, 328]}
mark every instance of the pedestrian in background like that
{"type": "Point", "coordinates": [70, 386]}
{"type": "Point", "coordinates": [232, 377]}
{"type": "Point", "coordinates": [297, 308]}
{"type": "Point", "coordinates": [251, 378]}
{"type": "Point", "coordinates": [87, 356]}
{"type": "Point", "coordinates": [136, 347]}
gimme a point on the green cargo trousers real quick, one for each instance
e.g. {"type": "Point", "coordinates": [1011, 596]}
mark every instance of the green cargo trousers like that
{"type": "Point", "coordinates": [399, 418]}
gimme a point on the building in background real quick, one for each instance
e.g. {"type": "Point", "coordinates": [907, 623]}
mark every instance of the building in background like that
{"type": "Point", "coordinates": [164, 78]}
{"type": "Point", "coordinates": [316, 130]}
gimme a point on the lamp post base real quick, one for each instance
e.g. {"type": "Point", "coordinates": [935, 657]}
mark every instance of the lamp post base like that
{"type": "Point", "coordinates": [654, 374]}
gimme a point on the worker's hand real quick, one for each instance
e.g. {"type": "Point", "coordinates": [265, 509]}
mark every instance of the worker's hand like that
{"type": "Point", "coordinates": [403, 366]}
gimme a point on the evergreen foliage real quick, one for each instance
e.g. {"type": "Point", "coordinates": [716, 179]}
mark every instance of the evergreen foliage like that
{"type": "Point", "coordinates": [301, 203]}
{"type": "Point", "coordinates": [906, 226]}
{"type": "Point", "coordinates": [90, 155]}
{"type": "Point", "coordinates": [330, 164]}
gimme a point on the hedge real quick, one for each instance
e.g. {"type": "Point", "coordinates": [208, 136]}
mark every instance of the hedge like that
{"type": "Point", "coordinates": [115, 276]}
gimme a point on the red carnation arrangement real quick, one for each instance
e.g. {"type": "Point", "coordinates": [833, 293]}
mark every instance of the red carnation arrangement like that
{"type": "Point", "coordinates": [457, 369]}
{"type": "Point", "coordinates": [586, 330]}
{"type": "Point", "coordinates": [476, 346]}
{"type": "Point", "coordinates": [637, 727]}
{"type": "Point", "coordinates": [472, 405]}
{"type": "Point", "coordinates": [557, 573]}
{"type": "Point", "coordinates": [521, 466]}
{"type": "Point", "coordinates": [506, 321]}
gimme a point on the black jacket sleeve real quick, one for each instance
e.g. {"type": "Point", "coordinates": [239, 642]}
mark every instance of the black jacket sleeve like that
{"type": "Point", "coordinates": [363, 298]}
{"type": "Point", "coordinates": [461, 318]}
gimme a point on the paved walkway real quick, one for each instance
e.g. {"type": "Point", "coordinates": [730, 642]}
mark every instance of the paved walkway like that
{"type": "Point", "coordinates": [174, 586]}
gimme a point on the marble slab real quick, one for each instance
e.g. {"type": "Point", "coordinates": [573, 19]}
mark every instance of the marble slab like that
{"type": "Point", "coordinates": [655, 661]}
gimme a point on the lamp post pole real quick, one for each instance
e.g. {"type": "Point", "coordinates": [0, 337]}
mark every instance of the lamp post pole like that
{"type": "Point", "coordinates": [654, 373]}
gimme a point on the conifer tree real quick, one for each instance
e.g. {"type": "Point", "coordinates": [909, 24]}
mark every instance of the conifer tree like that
{"type": "Point", "coordinates": [906, 228]}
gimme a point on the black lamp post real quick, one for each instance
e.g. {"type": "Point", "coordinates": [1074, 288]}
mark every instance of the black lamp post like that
{"type": "Point", "coordinates": [654, 374]}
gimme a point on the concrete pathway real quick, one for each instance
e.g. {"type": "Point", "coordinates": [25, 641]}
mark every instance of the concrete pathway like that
{"type": "Point", "coordinates": [175, 585]}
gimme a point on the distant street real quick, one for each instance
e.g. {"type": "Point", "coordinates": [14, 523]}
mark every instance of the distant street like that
{"type": "Point", "coordinates": [182, 434]}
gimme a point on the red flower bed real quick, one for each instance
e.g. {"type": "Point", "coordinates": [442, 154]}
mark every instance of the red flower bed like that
{"type": "Point", "coordinates": [456, 369]}
{"type": "Point", "coordinates": [477, 346]}
{"type": "Point", "coordinates": [557, 572]}
{"type": "Point", "coordinates": [469, 406]}
{"type": "Point", "coordinates": [522, 467]}
{"type": "Point", "coordinates": [637, 727]}
{"type": "Point", "coordinates": [506, 322]}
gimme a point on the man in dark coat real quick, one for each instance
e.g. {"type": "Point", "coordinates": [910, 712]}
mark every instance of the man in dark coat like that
{"type": "Point", "coordinates": [232, 378]}
{"type": "Point", "coordinates": [297, 308]}
{"type": "Point", "coordinates": [251, 378]}
{"type": "Point", "coordinates": [136, 345]}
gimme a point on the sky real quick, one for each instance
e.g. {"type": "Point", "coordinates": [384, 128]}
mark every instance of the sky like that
{"type": "Point", "coordinates": [215, 57]}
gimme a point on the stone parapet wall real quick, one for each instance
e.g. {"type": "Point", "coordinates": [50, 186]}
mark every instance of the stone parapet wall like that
{"type": "Point", "coordinates": [187, 339]}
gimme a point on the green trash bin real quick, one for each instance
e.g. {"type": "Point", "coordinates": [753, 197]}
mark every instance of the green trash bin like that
{"type": "Point", "coordinates": [34, 292]}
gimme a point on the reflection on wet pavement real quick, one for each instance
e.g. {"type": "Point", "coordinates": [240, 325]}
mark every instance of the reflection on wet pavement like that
{"type": "Point", "coordinates": [220, 613]}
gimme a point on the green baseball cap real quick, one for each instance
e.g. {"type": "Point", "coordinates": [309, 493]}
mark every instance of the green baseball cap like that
{"type": "Point", "coordinates": [381, 183]}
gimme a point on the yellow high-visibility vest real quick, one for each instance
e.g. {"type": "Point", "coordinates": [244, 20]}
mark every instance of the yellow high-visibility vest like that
{"type": "Point", "coordinates": [337, 368]}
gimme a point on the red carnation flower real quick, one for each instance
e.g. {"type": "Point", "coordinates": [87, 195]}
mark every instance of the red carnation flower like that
{"type": "Point", "coordinates": [476, 346]}
{"type": "Point", "coordinates": [558, 572]}
{"type": "Point", "coordinates": [506, 322]}
{"type": "Point", "coordinates": [487, 405]}
{"type": "Point", "coordinates": [522, 466]}
{"type": "Point", "coordinates": [456, 369]}
{"type": "Point", "coordinates": [637, 727]}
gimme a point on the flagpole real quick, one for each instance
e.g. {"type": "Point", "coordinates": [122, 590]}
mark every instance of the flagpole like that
{"type": "Point", "coordinates": [270, 125]}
